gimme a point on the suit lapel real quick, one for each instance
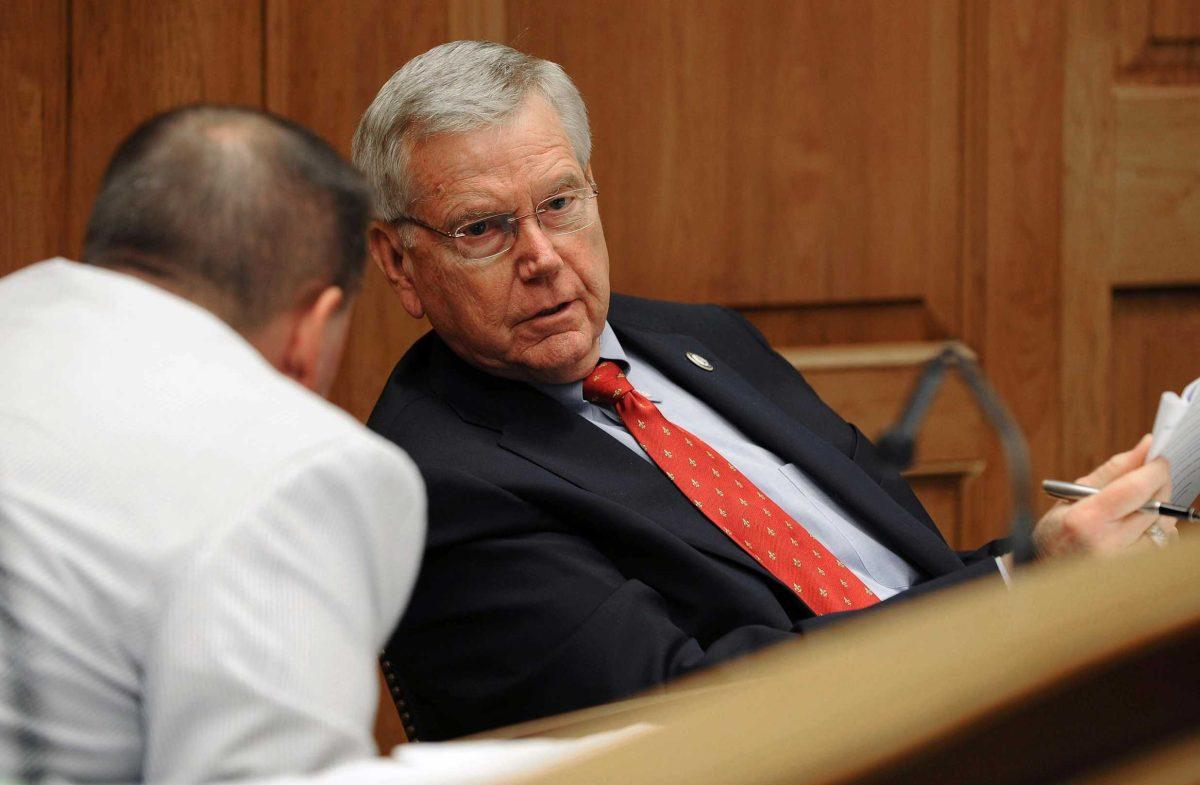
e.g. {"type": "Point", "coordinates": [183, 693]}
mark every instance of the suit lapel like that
{"type": "Point", "coordinates": [728, 393]}
{"type": "Point", "coordinates": [540, 430]}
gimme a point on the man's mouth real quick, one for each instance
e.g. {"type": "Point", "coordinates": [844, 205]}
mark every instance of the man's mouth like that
{"type": "Point", "coordinates": [551, 311]}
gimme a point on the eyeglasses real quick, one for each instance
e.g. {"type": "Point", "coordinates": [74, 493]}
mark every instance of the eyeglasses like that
{"type": "Point", "coordinates": [483, 238]}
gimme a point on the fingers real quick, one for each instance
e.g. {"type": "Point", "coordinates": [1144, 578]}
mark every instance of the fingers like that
{"type": "Point", "coordinates": [1112, 518]}
{"type": "Point", "coordinates": [1119, 464]}
{"type": "Point", "coordinates": [1129, 491]}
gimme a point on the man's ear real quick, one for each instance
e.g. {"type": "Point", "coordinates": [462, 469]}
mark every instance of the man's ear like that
{"type": "Point", "coordinates": [395, 261]}
{"type": "Point", "coordinates": [313, 349]}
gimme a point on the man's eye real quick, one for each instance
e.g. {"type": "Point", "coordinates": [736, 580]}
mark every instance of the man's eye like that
{"type": "Point", "coordinates": [480, 228]}
{"type": "Point", "coordinates": [558, 203]}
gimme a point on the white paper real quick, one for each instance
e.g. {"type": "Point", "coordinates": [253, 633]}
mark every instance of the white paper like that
{"type": "Point", "coordinates": [1171, 408]}
{"type": "Point", "coordinates": [1177, 438]}
{"type": "Point", "coordinates": [462, 762]}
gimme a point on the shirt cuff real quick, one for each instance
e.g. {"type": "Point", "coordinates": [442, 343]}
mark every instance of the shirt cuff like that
{"type": "Point", "coordinates": [1003, 572]}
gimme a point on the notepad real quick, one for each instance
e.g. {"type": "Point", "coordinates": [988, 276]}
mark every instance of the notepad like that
{"type": "Point", "coordinates": [1177, 438]}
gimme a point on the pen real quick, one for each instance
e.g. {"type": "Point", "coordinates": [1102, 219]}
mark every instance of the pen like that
{"type": "Point", "coordinates": [1071, 491]}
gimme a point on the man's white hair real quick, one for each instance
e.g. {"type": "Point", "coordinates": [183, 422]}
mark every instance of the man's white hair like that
{"type": "Point", "coordinates": [453, 88]}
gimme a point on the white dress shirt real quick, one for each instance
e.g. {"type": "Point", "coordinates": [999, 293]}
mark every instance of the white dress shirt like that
{"type": "Point", "coordinates": [202, 557]}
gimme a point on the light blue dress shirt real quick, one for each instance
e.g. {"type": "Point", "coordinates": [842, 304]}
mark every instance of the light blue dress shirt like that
{"type": "Point", "coordinates": [880, 569]}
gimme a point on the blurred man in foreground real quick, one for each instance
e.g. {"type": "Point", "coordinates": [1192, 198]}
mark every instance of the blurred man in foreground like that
{"type": "Point", "coordinates": [199, 557]}
{"type": "Point", "coordinates": [621, 491]}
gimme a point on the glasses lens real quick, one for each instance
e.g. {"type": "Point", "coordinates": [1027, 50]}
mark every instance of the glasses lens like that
{"type": "Point", "coordinates": [567, 212]}
{"type": "Point", "coordinates": [484, 237]}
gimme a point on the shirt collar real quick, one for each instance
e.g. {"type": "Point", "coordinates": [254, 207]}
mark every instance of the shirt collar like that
{"type": "Point", "coordinates": [570, 394]}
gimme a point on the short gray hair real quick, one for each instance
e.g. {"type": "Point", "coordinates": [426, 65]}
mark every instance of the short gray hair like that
{"type": "Point", "coordinates": [454, 88]}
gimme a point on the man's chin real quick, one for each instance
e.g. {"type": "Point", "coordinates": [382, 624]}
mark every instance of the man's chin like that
{"type": "Point", "coordinates": [561, 362]}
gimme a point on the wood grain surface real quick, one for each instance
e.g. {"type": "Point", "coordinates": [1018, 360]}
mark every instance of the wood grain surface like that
{"type": "Point", "coordinates": [768, 152]}
{"type": "Point", "coordinates": [33, 127]}
{"type": "Point", "coordinates": [1131, 121]}
{"type": "Point", "coordinates": [132, 58]}
{"type": "Point", "coordinates": [1116, 667]}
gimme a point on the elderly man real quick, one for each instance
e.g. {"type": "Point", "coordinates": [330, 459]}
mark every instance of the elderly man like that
{"type": "Point", "coordinates": [199, 558]}
{"type": "Point", "coordinates": [621, 491]}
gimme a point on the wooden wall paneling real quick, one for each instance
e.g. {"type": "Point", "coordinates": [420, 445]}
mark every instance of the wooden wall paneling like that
{"type": "Point", "coordinates": [33, 125]}
{"type": "Point", "coordinates": [819, 324]}
{"type": "Point", "coordinates": [911, 151]}
{"type": "Point", "coordinates": [1130, 150]}
{"type": "Point", "coordinates": [1134, 23]}
{"type": "Point", "coordinates": [1158, 41]}
{"type": "Point", "coordinates": [945, 212]}
{"type": "Point", "coordinates": [1175, 20]}
{"type": "Point", "coordinates": [973, 229]}
{"type": "Point", "coordinates": [1155, 240]}
{"type": "Point", "coordinates": [974, 193]}
{"type": "Point", "coordinates": [753, 162]}
{"type": "Point", "coordinates": [1157, 199]}
{"type": "Point", "coordinates": [477, 20]}
{"type": "Point", "coordinates": [1019, 316]}
{"type": "Point", "coordinates": [1156, 347]}
{"type": "Point", "coordinates": [1087, 218]}
{"type": "Point", "coordinates": [324, 65]}
{"type": "Point", "coordinates": [1012, 108]}
{"type": "Point", "coordinates": [132, 58]}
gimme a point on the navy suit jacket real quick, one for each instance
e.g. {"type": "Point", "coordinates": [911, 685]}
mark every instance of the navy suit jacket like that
{"type": "Point", "coordinates": [562, 570]}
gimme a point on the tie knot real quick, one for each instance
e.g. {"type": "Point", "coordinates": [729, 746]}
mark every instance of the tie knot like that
{"type": "Point", "coordinates": [606, 384]}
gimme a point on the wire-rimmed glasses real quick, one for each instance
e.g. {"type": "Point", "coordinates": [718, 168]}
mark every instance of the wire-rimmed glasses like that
{"type": "Point", "coordinates": [482, 238]}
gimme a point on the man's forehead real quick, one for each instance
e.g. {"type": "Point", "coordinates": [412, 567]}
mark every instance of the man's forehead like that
{"type": "Point", "coordinates": [499, 187]}
{"type": "Point", "coordinates": [531, 151]}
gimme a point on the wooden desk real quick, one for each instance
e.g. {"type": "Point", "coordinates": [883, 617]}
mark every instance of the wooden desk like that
{"type": "Point", "coordinates": [1083, 667]}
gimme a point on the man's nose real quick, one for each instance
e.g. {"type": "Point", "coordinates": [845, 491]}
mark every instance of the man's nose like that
{"type": "Point", "coordinates": [535, 253]}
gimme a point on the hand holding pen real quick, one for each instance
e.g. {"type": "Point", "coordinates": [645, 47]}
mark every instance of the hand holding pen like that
{"type": "Point", "coordinates": [1070, 491]}
{"type": "Point", "coordinates": [1117, 508]}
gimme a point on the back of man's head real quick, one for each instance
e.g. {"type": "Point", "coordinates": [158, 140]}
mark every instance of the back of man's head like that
{"type": "Point", "coordinates": [242, 212]}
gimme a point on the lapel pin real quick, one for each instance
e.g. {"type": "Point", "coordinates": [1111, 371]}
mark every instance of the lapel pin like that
{"type": "Point", "coordinates": [699, 362]}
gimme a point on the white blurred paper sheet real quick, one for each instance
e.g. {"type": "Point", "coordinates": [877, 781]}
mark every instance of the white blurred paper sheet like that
{"type": "Point", "coordinates": [1177, 438]}
{"type": "Point", "coordinates": [462, 762]}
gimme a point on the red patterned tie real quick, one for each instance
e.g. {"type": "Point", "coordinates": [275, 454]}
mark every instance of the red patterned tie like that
{"type": "Point", "coordinates": [728, 499]}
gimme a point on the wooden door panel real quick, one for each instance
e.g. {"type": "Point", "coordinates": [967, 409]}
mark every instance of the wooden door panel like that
{"type": "Point", "coordinates": [1175, 20]}
{"type": "Point", "coordinates": [1156, 348]}
{"type": "Point", "coordinates": [1132, 212]}
{"type": "Point", "coordinates": [1156, 40]}
{"type": "Point", "coordinates": [1156, 230]}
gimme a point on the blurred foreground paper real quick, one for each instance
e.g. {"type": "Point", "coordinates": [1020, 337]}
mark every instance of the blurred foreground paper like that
{"type": "Point", "coordinates": [462, 762]}
{"type": "Point", "coordinates": [1177, 438]}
